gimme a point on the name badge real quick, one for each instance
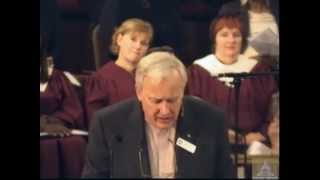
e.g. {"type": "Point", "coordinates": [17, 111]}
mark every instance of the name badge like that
{"type": "Point", "coordinates": [186, 145]}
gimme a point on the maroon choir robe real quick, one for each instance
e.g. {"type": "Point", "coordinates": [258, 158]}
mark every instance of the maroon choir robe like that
{"type": "Point", "coordinates": [255, 93]}
{"type": "Point", "coordinates": [61, 157]}
{"type": "Point", "coordinates": [109, 85]}
{"type": "Point", "coordinates": [61, 101]}
{"type": "Point", "coordinates": [49, 158]}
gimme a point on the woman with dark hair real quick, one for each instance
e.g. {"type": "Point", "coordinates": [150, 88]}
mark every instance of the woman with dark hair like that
{"type": "Point", "coordinates": [228, 38]}
{"type": "Point", "coordinates": [256, 17]}
{"type": "Point", "coordinates": [237, 8]}
{"type": "Point", "coordinates": [61, 153]}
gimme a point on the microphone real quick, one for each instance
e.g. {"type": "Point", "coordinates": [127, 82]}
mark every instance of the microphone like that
{"type": "Point", "coordinates": [143, 163]}
{"type": "Point", "coordinates": [118, 139]}
{"type": "Point", "coordinates": [247, 75]}
{"type": "Point", "coordinates": [242, 74]}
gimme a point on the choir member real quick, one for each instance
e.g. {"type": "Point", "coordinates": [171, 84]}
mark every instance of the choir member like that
{"type": "Point", "coordinates": [227, 37]}
{"type": "Point", "coordinates": [114, 81]}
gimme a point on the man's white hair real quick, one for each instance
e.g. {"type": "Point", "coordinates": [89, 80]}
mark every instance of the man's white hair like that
{"type": "Point", "coordinates": [160, 65]}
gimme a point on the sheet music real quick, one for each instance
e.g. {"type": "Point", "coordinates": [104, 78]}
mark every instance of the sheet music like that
{"type": "Point", "coordinates": [79, 132]}
{"type": "Point", "coordinates": [73, 132]}
{"type": "Point", "coordinates": [43, 134]}
{"type": "Point", "coordinates": [265, 43]}
{"type": "Point", "coordinates": [258, 148]}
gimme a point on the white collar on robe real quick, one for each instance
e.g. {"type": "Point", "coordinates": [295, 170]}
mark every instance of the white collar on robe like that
{"type": "Point", "coordinates": [215, 67]}
{"type": "Point", "coordinates": [43, 86]}
{"type": "Point", "coordinates": [70, 77]}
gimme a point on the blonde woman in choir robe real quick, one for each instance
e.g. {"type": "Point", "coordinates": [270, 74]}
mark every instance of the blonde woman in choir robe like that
{"type": "Point", "coordinates": [115, 80]}
{"type": "Point", "coordinates": [227, 39]}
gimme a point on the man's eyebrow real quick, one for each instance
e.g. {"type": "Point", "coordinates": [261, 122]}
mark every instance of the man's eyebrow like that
{"type": "Point", "coordinates": [159, 98]}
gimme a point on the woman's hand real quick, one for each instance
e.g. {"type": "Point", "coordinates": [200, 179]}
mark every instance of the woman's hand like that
{"type": "Point", "coordinates": [250, 137]}
{"type": "Point", "coordinates": [53, 126]}
{"type": "Point", "coordinates": [57, 130]}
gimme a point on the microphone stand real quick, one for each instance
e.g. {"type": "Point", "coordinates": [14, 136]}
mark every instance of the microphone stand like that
{"type": "Point", "coordinates": [239, 148]}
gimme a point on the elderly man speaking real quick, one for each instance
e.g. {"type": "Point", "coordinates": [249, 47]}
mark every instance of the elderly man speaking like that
{"type": "Point", "coordinates": [161, 133]}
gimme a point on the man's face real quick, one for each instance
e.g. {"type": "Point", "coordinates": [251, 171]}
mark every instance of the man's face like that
{"type": "Point", "coordinates": [161, 100]}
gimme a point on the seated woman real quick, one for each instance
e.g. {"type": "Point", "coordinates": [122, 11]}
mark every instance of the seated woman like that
{"type": "Point", "coordinates": [60, 108]}
{"type": "Point", "coordinates": [255, 93]}
{"type": "Point", "coordinates": [114, 81]}
{"type": "Point", "coordinates": [60, 111]}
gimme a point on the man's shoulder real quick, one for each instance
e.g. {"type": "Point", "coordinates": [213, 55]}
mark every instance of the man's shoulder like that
{"type": "Point", "coordinates": [199, 105]}
{"type": "Point", "coordinates": [204, 115]}
{"type": "Point", "coordinates": [118, 119]}
{"type": "Point", "coordinates": [119, 107]}
{"type": "Point", "coordinates": [118, 112]}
